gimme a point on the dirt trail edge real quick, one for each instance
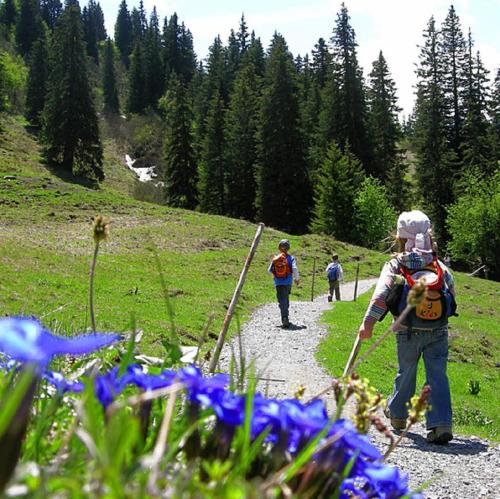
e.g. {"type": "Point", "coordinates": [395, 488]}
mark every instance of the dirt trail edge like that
{"type": "Point", "coordinates": [285, 359]}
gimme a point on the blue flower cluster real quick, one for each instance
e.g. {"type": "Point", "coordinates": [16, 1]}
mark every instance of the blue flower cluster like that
{"type": "Point", "coordinates": [289, 424]}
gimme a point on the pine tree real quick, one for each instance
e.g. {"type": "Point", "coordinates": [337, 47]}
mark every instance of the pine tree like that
{"type": "Point", "coordinates": [233, 59]}
{"type": "Point", "coordinates": [452, 57]}
{"type": "Point", "coordinates": [51, 10]}
{"type": "Point", "coordinates": [382, 117]}
{"type": "Point", "coordinates": [344, 115]}
{"type": "Point", "coordinates": [336, 188]}
{"type": "Point", "coordinates": [283, 189]}
{"type": "Point", "coordinates": [436, 162]}
{"type": "Point", "coordinates": [71, 132]}
{"type": "Point", "coordinates": [181, 174]}
{"type": "Point", "coordinates": [137, 98]}
{"type": "Point", "coordinates": [29, 26]}
{"type": "Point", "coordinates": [8, 14]}
{"type": "Point", "coordinates": [242, 35]}
{"type": "Point", "coordinates": [139, 23]}
{"type": "Point", "coordinates": [37, 82]}
{"type": "Point", "coordinates": [123, 32]}
{"type": "Point", "coordinates": [240, 145]}
{"type": "Point", "coordinates": [187, 57]}
{"type": "Point", "coordinates": [110, 92]}
{"type": "Point", "coordinates": [211, 187]}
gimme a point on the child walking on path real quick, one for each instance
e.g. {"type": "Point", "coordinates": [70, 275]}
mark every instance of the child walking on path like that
{"type": "Point", "coordinates": [424, 332]}
{"type": "Point", "coordinates": [284, 269]}
{"type": "Point", "coordinates": [334, 274]}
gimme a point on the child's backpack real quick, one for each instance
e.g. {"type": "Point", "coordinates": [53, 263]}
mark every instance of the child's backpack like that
{"type": "Point", "coordinates": [333, 272]}
{"type": "Point", "coordinates": [436, 307]}
{"type": "Point", "coordinates": [281, 266]}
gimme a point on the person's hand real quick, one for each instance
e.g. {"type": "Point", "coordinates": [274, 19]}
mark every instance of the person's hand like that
{"type": "Point", "coordinates": [365, 331]}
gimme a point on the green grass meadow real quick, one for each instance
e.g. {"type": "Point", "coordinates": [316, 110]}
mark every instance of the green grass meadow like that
{"type": "Point", "coordinates": [474, 353]}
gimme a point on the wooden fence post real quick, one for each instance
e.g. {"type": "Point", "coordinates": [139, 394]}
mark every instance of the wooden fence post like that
{"type": "Point", "coordinates": [234, 300]}
{"type": "Point", "coordinates": [356, 283]}
{"type": "Point", "coordinates": [313, 278]}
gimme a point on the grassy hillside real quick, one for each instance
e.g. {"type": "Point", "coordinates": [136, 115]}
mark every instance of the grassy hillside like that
{"type": "Point", "coordinates": [46, 246]}
{"type": "Point", "coordinates": [474, 353]}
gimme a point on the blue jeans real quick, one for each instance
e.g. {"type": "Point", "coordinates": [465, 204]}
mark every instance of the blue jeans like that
{"type": "Point", "coordinates": [283, 295]}
{"type": "Point", "coordinates": [433, 347]}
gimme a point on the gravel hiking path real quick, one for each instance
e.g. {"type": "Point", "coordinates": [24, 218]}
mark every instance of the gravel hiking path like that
{"type": "Point", "coordinates": [284, 359]}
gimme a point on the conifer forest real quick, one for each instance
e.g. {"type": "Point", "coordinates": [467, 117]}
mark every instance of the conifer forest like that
{"type": "Point", "coordinates": [252, 131]}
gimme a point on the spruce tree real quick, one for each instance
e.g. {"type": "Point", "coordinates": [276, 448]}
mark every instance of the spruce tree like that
{"type": "Point", "coordinates": [110, 92]}
{"type": "Point", "coordinates": [211, 187]}
{"type": "Point", "coordinates": [233, 59]}
{"type": "Point", "coordinates": [123, 32]}
{"type": "Point", "coordinates": [178, 54]}
{"type": "Point", "coordinates": [90, 31]}
{"type": "Point", "coordinates": [321, 62]}
{"type": "Point", "coordinates": [437, 166]}
{"type": "Point", "coordinates": [494, 113]}
{"type": "Point", "coordinates": [71, 132]}
{"type": "Point", "coordinates": [99, 23]}
{"type": "Point", "coordinates": [283, 189]}
{"type": "Point", "coordinates": [153, 77]}
{"type": "Point", "coordinates": [452, 58]}
{"type": "Point", "coordinates": [255, 55]}
{"type": "Point", "coordinates": [29, 26]}
{"type": "Point", "coordinates": [345, 106]}
{"type": "Point", "coordinates": [382, 118]}
{"type": "Point", "coordinates": [337, 185]}
{"type": "Point", "coordinates": [187, 57]}
{"type": "Point", "coordinates": [51, 10]}
{"type": "Point", "coordinates": [137, 98]}
{"type": "Point", "coordinates": [240, 145]}
{"type": "Point", "coordinates": [476, 148]}
{"type": "Point", "coordinates": [181, 174]}
{"type": "Point", "coordinates": [37, 82]}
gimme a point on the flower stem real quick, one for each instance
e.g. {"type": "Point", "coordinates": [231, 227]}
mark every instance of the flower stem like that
{"type": "Point", "coordinates": [91, 287]}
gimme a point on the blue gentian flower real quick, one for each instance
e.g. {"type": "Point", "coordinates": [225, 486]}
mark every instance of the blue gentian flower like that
{"type": "Point", "coordinates": [62, 384]}
{"type": "Point", "coordinates": [137, 376]}
{"type": "Point", "coordinates": [201, 390]}
{"type": "Point", "coordinates": [26, 340]}
{"type": "Point", "coordinates": [228, 407]}
{"type": "Point", "coordinates": [108, 386]}
{"type": "Point", "coordinates": [266, 414]}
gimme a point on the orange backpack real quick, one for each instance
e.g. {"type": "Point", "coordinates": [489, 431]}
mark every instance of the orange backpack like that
{"type": "Point", "coordinates": [281, 266]}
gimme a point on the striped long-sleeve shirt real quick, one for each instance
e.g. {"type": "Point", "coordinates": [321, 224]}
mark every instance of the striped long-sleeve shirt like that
{"type": "Point", "coordinates": [386, 281]}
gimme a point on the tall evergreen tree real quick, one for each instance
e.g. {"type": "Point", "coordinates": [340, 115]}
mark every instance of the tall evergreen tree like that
{"type": "Point", "coordinates": [71, 132]}
{"type": "Point", "coordinates": [29, 26]}
{"type": "Point", "coordinates": [90, 31]}
{"type": "Point", "coordinates": [494, 112]}
{"type": "Point", "coordinates": [110, 92]}
{"type": "Point", "coordinates": [436, 163]}
{"type": "Point", "coordinates": [37, 81]}
{"type": "Point", "coordinates": [139, 23]}
{"type": "Point", "coordinates": [99, 23]}
{"type": "Point", "coordinates": [137, 98]}
{"type": "Point", "coordinates": [345, 109]}
{"type": "Point", "coordinates": [242, 35]}
{"type": "Point", "coordinates": [8, 14]}
{"type": "Point", "coordinates": [283, 190]}
{"type": "Point", "coordinates": [240, 145]}
{"type": "Point", "coordinates": [123, 32]}
{"type": "Point", "coordinates": [51, 10]}
{"type": "Point", "coordinates": [452, 57]}
{"type": "Point", "coordinates": [181, 174]}
{"type": "Point", "coordinates": [255, 55]}
{"type": "Point", "coordinates": [187, 57]}
{"type": "Point", "coordinates": [321, 62]}
{"type": "Point", "coordinates": [153, 78]}
{"type": "Point", "coordinates": [211, 187]}
{"type": "Point", "coordinates": [233, 59]}
{"type": "Point", "coordinates": [476, 148]}
{"type": "Point", "coordinates": [336, 188]}
{"type": "Point", "coordinates": [383, 121]}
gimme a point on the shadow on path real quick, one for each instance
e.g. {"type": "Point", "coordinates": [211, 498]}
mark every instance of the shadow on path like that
{"type": "Point", "coordinates": [458, 446]}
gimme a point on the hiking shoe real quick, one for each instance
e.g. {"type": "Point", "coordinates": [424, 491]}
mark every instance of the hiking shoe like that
{"type": "Point", "coordinates": [285, 322]}
{"type": "Point", "coordinates": [329, 298]}
{"type": "Point", "coordinates": [396, 423]}
{"type": "Point", "coordinates": [440, 435]}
